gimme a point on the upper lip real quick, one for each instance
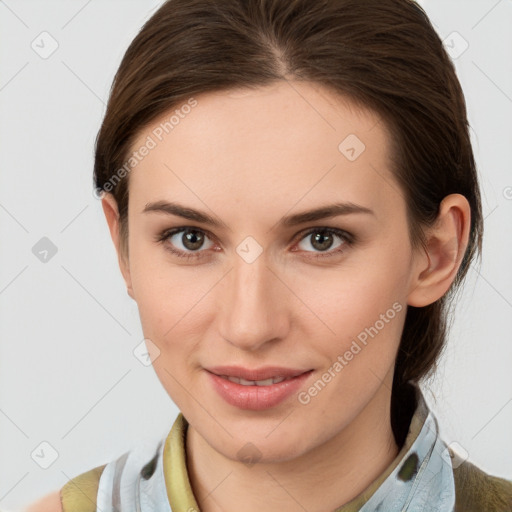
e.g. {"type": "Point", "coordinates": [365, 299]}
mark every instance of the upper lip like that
{"type": "Point", "coordinates": [263, 373]}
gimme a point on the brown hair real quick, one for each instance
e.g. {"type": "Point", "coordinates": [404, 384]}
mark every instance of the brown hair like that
{"type": "Point", "coordinates": [384, 55]}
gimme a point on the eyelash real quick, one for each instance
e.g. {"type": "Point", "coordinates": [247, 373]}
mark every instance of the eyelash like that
{"type": "Point", "coordinates": [347, 238]}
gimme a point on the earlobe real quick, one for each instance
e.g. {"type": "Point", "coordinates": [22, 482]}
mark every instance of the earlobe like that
{"type": "Point", "coordinates": [110, 209]}
{"type": "Point", "coordinates": [447, 240]}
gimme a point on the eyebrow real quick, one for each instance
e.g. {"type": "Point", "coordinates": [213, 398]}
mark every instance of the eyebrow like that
{"type": "Point", "coordinates": [324, 212]}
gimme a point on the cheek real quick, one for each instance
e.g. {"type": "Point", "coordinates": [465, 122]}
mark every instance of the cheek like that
{"type": "Point", "coordinates": [173, 302]}
{"type": "Point", "coordinates": [359, 314]}
{"type": "Point", "coordinates": [366, 317]}
{"type": "Point", "coordinates": [350, 298]}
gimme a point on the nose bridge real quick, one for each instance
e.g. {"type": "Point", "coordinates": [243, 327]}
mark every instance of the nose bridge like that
{"type": "Point", "coordinates": [252, 311]}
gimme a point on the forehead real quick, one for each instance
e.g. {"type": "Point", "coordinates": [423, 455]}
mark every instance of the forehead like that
{"type": "Point", "coordinates": [282, 143]}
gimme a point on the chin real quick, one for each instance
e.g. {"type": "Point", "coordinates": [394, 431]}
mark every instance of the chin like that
{"type": "Point", "coordinates": [258, 448]}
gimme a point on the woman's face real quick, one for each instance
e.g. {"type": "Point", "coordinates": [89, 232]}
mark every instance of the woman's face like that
{"type": "Point", "coordinates": [266, 285]}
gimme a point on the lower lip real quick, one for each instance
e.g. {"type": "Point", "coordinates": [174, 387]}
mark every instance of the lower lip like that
{"type": "Point", "coordinates": [257, 398]}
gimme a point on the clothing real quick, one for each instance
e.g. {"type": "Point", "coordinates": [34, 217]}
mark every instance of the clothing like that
{"type": "Point", "coordinates": [426, 475]}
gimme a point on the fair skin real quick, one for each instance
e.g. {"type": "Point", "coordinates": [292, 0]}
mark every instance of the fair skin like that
{"type": "Point", "coordinates": [248, 159]}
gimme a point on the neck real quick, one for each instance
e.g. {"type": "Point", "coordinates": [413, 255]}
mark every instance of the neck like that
{"type": "Point", "coordinates": [322, 479]}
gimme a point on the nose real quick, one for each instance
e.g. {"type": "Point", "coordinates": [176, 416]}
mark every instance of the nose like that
{"type": "Point", "coordinates": [255, 305]}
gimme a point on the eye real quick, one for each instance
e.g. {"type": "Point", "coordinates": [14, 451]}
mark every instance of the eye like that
{"type": "Point", "coordinates": [322, 241]}
{"type": "Point", "coordinates": [189, 242]}
{"type": "Point", "coordinates": [184, 242]}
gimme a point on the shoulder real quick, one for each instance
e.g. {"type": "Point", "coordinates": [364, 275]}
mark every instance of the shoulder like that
{"type": "Point", "coordinates": [78, 495]}
{"type": "Point", "coordinates": [476, 490]}
{"type": "Point", "coordinates": [49, 503]}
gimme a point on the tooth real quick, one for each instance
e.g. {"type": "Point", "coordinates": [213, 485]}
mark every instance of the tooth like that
{"type": "Point", "coordinates": [266, 382]}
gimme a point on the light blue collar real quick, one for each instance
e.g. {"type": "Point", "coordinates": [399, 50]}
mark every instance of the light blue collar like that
{"type": "Point", "coordinates": [422, 481]}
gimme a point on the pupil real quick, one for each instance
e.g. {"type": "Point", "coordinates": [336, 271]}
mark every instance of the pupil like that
{"type": "Point", "coordinates": [319, 237]}
{"type": "Point", "coordinates": [191, 240]}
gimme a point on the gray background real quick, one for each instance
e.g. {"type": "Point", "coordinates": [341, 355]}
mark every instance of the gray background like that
{"type": "Point", "coordinates": [68, 376]}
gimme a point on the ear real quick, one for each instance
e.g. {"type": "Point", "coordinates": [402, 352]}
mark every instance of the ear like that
{"type": "Point", "coordinates": [446, 244]}
{"type": "Point", "coordinates": [110, 209]}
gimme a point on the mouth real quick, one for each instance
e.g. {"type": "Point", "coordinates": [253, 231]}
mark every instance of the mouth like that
{"type": "Point", "coordinates": [257, 394]}
{"type": "Point", "coordinates": [264, 376]}
{"type": "Point", "coordinates": [264, 382]}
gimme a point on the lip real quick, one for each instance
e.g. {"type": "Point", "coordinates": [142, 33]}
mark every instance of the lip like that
{"type": "Point", "coordinates": [262, 373]}
{"type": "Point", "coordinates": [257, 398]}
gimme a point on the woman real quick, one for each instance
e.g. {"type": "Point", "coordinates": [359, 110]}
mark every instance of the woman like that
{"type": "Point", "coordinates": [292, 194]}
